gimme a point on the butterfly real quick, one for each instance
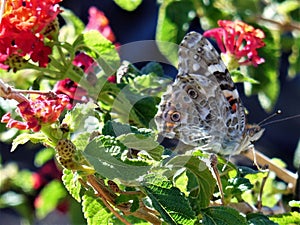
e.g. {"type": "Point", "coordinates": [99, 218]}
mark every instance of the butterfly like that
{"type": "Point", "coordinates": [202, 107]}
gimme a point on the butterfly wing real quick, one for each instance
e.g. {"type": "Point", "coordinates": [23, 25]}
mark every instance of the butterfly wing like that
{"type": "Point", "coordinates": [202, 107]}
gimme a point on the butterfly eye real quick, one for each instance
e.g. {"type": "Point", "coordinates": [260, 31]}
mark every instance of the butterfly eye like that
{"type": "Point", "coordinates": [175, 116]}
{"type": "Point", "coordinates": [192, 93]}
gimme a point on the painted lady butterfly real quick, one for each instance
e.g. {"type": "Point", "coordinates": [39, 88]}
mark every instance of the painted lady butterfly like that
{"type": "Point", "coordinates": [202, 107]}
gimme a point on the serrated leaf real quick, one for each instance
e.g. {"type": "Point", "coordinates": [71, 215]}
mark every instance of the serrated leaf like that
{"type": "Point", "coordinates": [222, 215]}
{"type": "Point", "coordinates": [43, 156]}
{"type": "Point", "coordinates": [72, 184]}
{"type": "Point", "coordinates": [142, 142]}
{"type": "Point", "coordinates": [204, 184]}
{"type": "Point", "coordinates": [128, 5]}
{"type": "Point", "coordinates": [25, 137]}
{"type": "Point", "coordinates": [259, 219]}
{"type": "Point", "coordinates": [168, 200]}
{"type": "Point", "coordinates": [94, 210]}
{"type": "Point", "coordinates": [49, 198]}
{"type": "Point", "coordinates": [101, 49]}
{"type": "Point", "coordinates": [76, 119]}
{"type": "Point", "coordinates": [101, 157]}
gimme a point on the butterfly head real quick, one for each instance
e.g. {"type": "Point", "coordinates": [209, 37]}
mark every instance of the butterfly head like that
{"type": "Point", "coordinates": [254, 132]}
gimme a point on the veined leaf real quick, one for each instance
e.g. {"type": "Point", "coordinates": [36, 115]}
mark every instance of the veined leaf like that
{"type": "Point", "coordinates": [222, 215]}
{"type": "Point", "coordinates": [94, 210]}
{"type": "Point", "coordinates": [72, 184]}
{"type": "Point", "coordinates": [201, 183]}
{"type": "Point", "coordinates": [168, 200]}
{"type": "Point", "coordinates": [103, 156]}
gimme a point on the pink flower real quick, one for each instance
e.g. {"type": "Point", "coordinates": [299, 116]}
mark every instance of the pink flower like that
{"type": "Point", "coordinates": [240, 40]}
{"type": "Point", "coordinates": [45, 109]}
{"type": "Point", "coordinates": [98, 21]}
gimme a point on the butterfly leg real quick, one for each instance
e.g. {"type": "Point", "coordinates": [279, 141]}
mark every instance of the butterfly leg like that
{"type": "Point", "coordinates": [213, 163]}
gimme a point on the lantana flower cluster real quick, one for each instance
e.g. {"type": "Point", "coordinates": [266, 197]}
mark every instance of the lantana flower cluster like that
{"type": "Point", "coordinates": [239, 40]}
{"type": "Point", "coordinates": [45, 109]}
{"type": "Point", "coordinates": [24, 27]}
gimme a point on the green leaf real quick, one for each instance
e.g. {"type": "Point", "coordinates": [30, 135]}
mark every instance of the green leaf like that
{"type": "Point", "coordinates": [239, 77]}
{"type": "Point", "coordinates": [73, 27]}
{"type": "Point", "coordinates": [150, 84]}
{"type": "Point", "coordinates": [24, 181]}
{"type": "Point", "coordinates": [266, 74]}
{"type": "Point", "coordinates": [238, 185]}
{"type": "Point", "coordinates": [259, 219]}
{"type": "Point", "coordinates": [134, 108]}
{"type": "Point", "coordinates": [72, 184]}
{"type": "Point", "coordinates": [142, 142]}
{"type": "Point", "coordinates": [103, 153]}
{"type": "Point", "coordinates": [94, 210]}
{"type": "Point", "coordinates": [153, 67]}
{"type": "Point", "coordinates": [201, 183]}
{"type": "Point", "coordinates": [128, 5]}
{"type": "Point", "coordinates": [81, 140]}
{"type": "Point", "coordinates": [115, 129]}
{"type": "Point", "coordinates": [222, 215]}
{"type": "Point", "coordinates": [173, 23]}
{"type": "Point", "coordinates": [287, 218]}
{"type": "Point", "coordinates": [25, 137]}
{"type": "Point", "coordinates": [77, 119]}
{"type": "Point", "coordinates": [172, 205]}
{"type": "Point", "coordinates": [294, 203]}
{"type": "Point", "coordinates": [297, 156]}
{"type": "Point", "coordinates": [43, 156]}
{"type": "Point", "coordinates": [49, 198]}
{"type": "Point", "coordinates": [99, 48]}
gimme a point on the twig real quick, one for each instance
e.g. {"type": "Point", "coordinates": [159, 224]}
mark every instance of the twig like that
{"type": "Point", "coordinates": [94, 183]}
{"type": "Point", "coordinates": [288, 26]}
{"type": "Point", "coordinates": [7, 92]}
{"type": "Point", "coordinates": [284, 174]}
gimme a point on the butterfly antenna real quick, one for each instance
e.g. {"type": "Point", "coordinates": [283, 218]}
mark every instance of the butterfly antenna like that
{"type": "Point", "coordinates": [283, 119]}
{"type": "Point", "coordinates": [261, 123]}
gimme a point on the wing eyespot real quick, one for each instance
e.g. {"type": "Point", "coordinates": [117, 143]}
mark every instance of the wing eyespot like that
{"type": "Point", "coordinates": [175, 116]}
{"type": "Point", "coordinates": [192, 93]}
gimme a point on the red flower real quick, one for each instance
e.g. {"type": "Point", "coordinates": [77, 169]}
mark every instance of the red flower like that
{"type": "Point", "coordinates": [240, 40]}
{"type": "Point", "coordinates": [45, 109]}
{"type": "Point", "coordinates": [21, 29]}
{"type": "Point", "coordinates": [83, 61]}
{"type": "Point", "coordinates": [72, 90]}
